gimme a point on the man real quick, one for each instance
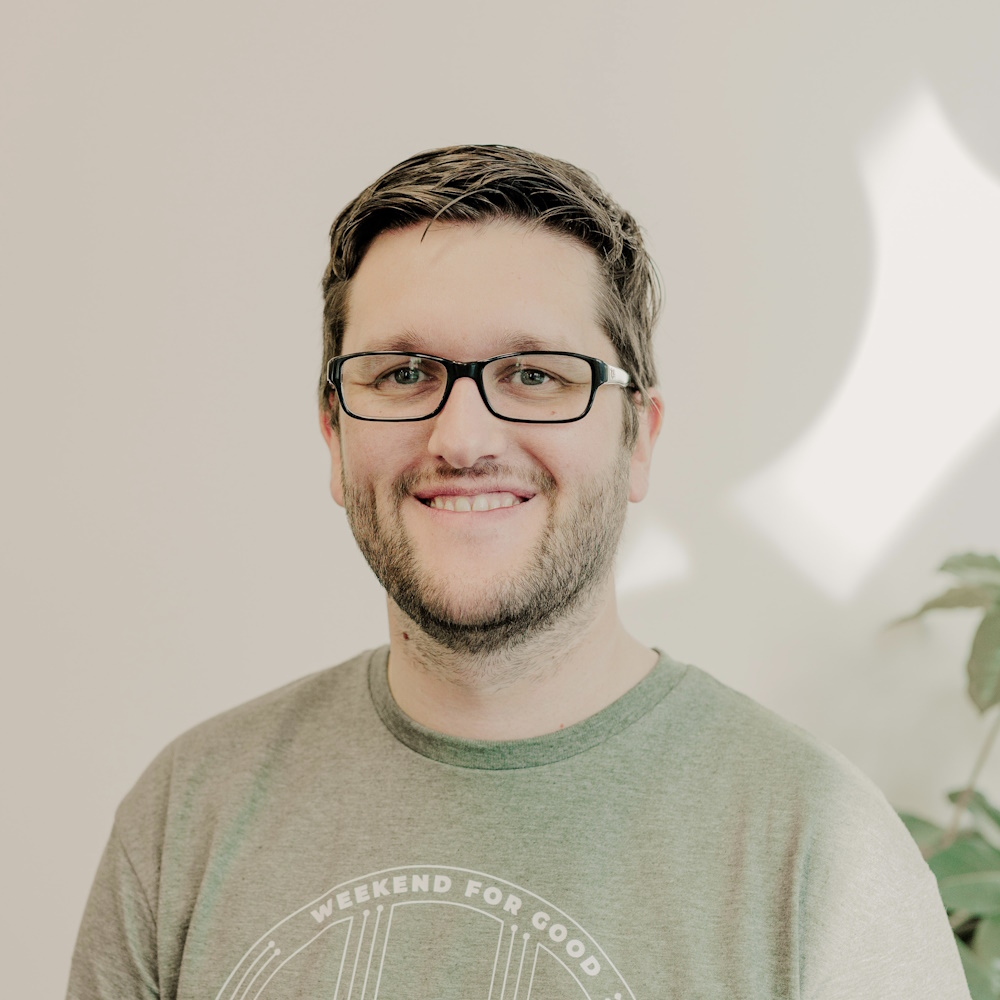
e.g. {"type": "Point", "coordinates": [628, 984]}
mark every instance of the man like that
{"type": "Point", "coordinates": [514, 800]}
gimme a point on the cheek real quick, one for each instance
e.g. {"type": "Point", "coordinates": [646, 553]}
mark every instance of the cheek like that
{"type": "Point", "coordinates": [585, 448]}
{"type": "Point", "coordinates": [374, 454]}
{"type": "Point", "coordinates": [574, 461]}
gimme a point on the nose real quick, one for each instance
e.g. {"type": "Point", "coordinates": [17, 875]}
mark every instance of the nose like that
{"type": "Point", "coordinates": [465, 432]}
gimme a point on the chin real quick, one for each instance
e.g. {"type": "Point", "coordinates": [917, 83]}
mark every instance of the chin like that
{"type": "Point", "coordinates": [452, 601]}
{"type": "Point", "coordinates": [504, 615]}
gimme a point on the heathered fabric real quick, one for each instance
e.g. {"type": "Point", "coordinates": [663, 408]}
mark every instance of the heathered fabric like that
{"type": "Point", "coordinates": [682, 843]}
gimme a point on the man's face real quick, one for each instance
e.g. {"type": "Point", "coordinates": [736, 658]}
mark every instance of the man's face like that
{"type": "Point", "coordinates": [555, 494]}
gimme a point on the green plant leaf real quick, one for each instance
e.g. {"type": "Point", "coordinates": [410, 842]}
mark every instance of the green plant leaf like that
{"type": "Point", "coordinates": [977, 892]}
{"type": "Point", "coordinates": [968, 854]}
{"type": "Point", "coordinates": [984, 662]}
{"type": "Point", "coordinates": [978, 596]}
{"type": "Point", "coordinates": [973, 568]}
{"type": "Point", "coordinates": [977, 973]}
{"type": "Point", "coordinates": [927, 835]}
{"type": "Point", "coordinates": [986, 942]}
{"type": "Point", "coordinates": [987, 817]}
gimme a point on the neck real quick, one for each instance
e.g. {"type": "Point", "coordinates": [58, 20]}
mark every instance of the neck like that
{"type": "Point", "coordinates": [575, 668]}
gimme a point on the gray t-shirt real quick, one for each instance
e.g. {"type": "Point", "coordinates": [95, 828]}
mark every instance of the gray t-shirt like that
{"type": "Point", "coordinates": [682, 843]}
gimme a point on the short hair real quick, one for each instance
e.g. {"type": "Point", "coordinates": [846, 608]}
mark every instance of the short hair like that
{"type": "Point", "coordinates": [477, 184]}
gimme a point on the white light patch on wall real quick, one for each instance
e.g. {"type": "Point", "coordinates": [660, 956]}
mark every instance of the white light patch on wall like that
{"type": "Point", "coordinates": [924, 385]}
{"type": "Point", "coordinates": [650, 556]}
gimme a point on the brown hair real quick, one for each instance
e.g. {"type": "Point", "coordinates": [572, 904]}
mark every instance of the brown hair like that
{"type": "Point", "coordinates": [479, 183]}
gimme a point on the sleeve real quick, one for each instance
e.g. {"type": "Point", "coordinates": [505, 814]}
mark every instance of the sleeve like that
{"type": "Point", "coordinates": [115, 955]}
{"type": "Point", "coordinates": [872, 920]}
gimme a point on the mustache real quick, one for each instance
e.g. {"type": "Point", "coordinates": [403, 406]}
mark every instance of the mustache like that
{"type": "Point", "coordinates": [540, 480]}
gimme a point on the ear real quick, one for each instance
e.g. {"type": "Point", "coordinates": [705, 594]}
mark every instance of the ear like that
{"type": "Point", "coordinates": [331, 435]}
{"type": "Point", "coordinates": [650, 416]}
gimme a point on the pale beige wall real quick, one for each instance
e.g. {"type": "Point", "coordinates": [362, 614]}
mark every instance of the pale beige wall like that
{"type": "Point", "coordinates": [170, 172]}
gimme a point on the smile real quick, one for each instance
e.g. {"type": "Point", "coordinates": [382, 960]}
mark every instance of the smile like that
{"type": "Point", "coordinates": [476, 502]}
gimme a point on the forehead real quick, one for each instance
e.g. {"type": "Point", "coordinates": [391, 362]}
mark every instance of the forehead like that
{"type": "Point", "coordinates": [469, 291]}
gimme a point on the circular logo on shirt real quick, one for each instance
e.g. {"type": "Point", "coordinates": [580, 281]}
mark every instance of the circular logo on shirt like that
{"type": "Point", "coordinates": [426, 932]}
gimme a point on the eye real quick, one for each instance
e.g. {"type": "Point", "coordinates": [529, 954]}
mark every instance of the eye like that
{"type": "Point", "coordinates": [530, 377]}
{"type": "Point", "coordinates": [401, 377]}
{"type": "Point", "coordinates": [407, 376]}
{"type": "Point", "coordinates": [523, 377]}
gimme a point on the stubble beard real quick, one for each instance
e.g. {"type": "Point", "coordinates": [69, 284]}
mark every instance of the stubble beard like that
{"type": "Point", "coordinates": [574, 555]}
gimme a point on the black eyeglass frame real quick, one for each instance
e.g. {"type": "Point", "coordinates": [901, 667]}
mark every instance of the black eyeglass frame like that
{"type": "Point", "coordinates": [601, 373]}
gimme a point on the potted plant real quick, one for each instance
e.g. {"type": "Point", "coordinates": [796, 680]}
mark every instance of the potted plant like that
{"type": "Point", "coordinates": [965, 856]}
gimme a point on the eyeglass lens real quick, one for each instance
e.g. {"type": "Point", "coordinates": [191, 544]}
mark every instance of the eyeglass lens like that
{"type": "Point", "coordinates": [522, 387]}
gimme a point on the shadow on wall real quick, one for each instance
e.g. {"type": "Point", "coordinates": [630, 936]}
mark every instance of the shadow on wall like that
{"type": "Point", "coordinates": [864, 380]}
{"type": "Point", "coordinates": [920, 392]}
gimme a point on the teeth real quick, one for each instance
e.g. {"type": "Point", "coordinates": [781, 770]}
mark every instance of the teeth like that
{"type": "Point", "coordinates": [481, 501]}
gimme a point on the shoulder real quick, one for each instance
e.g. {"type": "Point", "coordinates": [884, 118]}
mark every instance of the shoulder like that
{"type": "Point", "coordinates": [233, 749]}
{"type": "Point", "coordinates": [281, 715]}
{"type": "Point", "coordinates": [754, 754]}
{"type": "Point", "coordinates": [776, 785]}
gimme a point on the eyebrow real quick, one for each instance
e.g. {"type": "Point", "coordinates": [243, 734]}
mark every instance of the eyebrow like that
{"type": "Point", "coordinates": [510, 342]}
{"type": "Point", "coordinates": [406, 342]}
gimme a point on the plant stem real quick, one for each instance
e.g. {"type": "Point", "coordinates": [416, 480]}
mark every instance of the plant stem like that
{"type": "Point", "coordinates": [962, 802]}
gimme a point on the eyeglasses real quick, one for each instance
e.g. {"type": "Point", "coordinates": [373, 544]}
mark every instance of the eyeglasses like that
{"type": "Point", "coordinates": [547, 387]}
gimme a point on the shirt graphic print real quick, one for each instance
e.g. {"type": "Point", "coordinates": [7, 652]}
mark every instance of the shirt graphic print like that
{"type": "Point", "coordinates": [479, 937]}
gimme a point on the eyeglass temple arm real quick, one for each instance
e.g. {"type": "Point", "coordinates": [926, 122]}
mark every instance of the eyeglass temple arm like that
{"type": "Point", "coordinates": [617, 376]}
